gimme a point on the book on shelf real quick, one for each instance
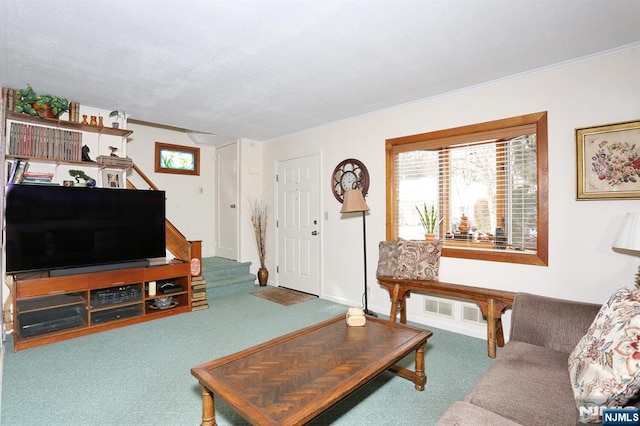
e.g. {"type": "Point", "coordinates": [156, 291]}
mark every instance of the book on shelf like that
{"type": "Point", "coordinates": [199, 286]}
{"type": "Point", "coordinates": [198, 295]}
{"type": "Point", "coordinates": [199, 307]}
{"type": "Point", "coordinates": [112, 160]}
{"type": "Point", "coordinates": [17, 170]}
{"type": "Point", "coordinates": [44, 142]}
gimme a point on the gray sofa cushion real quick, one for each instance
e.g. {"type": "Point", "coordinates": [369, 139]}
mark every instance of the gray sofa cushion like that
{"type": "Point", "coordinates": [528, 384]}
{"type": "Point", "coordinates": [553, 323]}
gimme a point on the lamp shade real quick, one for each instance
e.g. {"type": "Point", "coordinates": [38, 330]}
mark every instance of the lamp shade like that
{"type": "Point", "coordinates": [629, 234]}
{"type": "Point", "coordinates": [354, 202]}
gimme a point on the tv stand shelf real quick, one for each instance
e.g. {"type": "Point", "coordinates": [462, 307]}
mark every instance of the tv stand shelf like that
{"type": "Point", "coordinates": [50, 309]}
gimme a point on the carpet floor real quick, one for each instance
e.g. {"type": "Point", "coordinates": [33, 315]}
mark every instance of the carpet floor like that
{"type": "Point", "coordinates": [140, 375]}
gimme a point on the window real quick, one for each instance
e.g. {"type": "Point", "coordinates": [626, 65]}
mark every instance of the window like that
{"type": "Point", "coordinates": [488, 182]}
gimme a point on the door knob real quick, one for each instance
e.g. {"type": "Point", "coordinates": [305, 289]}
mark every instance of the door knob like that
{"type": "Point", "coordinates": [233, 206]}
{"type": "Point", "coordinates": [314, 233]}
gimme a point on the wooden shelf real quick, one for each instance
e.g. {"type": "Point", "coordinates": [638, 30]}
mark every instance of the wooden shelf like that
{"type": "Point", "coordinates": [71, 163]}
{"type": "Point", "coordinates": [69, 125]}
{"type": "Point", "coordinates": [31, 305]}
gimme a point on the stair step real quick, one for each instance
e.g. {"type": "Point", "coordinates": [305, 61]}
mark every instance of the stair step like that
{"type": "Point", "coordinates": [226, 276]}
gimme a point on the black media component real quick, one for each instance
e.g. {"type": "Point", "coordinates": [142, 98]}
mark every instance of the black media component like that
{"type": "Point", "coordinates": [75, 228]}
{"type": "Point", "coordinates": [116, 314]}
{"type": "Point", "coordinates": [47, 321]}
{"type": "Point", "coordinates": [168, 288]}
{"type": "Point", "coordinates": [115, 295]}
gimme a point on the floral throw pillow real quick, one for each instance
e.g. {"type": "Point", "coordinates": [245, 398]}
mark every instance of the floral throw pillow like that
{"type": "Point", "coordinates": [605, 365]}
{"type": "Point", "coordinates": [388, 254]}
{"type": "Point", "coordinates": [419, 260]}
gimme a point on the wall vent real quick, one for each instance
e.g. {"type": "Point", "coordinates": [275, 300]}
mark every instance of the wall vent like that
{"type": "Point", "coordinates": [472, 313]}
{"type": "Point", "coordinates": [438, 306]}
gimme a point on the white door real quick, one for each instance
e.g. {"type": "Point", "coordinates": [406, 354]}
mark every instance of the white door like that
{"type": "Point", "coordinates": [298, 221]}
{"type": "Point", "coordinates": [227, 201]}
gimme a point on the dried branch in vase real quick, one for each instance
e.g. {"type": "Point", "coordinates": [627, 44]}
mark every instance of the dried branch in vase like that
{"type": "Point", "coordinates": [259, 209]}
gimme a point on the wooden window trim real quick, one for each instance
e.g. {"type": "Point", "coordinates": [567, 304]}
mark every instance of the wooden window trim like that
{"type": "Point", "coordinates": [536, 122]}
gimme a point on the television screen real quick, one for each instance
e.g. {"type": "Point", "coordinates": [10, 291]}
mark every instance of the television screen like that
{"type": "Point", "coordinates": [53, 227]}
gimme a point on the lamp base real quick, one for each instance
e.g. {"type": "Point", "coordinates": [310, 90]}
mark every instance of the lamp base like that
{"type": "Point", "coordinates": [370, 313]}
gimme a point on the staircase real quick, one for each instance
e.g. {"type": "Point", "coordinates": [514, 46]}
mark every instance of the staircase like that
{"type": "Point", "coordinates": [226, 276]}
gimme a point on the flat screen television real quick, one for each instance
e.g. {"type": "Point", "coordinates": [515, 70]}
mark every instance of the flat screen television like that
{"type": "Point", "coordinates": [58, 228]}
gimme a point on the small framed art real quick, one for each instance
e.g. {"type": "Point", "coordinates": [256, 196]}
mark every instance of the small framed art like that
{"type": "Point", "coordinates": [177, 159]}
{"type": "Point", "coordinates": [112, 179]}
{"type": "Point", "coordinates": [608, 161]}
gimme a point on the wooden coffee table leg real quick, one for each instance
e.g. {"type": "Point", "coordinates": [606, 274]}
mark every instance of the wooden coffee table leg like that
{"type": "Point", "coordinates": [208, 408]}
{"type": "Point", "coordinates": [420, 379]}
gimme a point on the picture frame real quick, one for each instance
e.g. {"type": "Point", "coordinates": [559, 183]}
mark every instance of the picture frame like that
{"type": "Point", "coordinates": [113, 179]}
{"type": "Point", "coordinates": [608, 161]}
{"type": "Point", "coordinates": [178, 159]}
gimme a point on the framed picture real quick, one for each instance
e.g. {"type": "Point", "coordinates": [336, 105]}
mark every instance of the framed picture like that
{"type": "Point", "coordinates": [113, 179]}
{"type": "Point", "coordinates": [177, 159]}
{"type": "Point", "coordinates": [609, 161]}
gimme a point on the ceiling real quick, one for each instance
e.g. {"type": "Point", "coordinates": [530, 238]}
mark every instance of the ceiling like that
{"type": "Point", "coordinates": [260, 69]}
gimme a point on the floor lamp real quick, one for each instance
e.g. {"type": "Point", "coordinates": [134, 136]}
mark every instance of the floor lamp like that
{"type": "Point", "coordinates": [354, 202]}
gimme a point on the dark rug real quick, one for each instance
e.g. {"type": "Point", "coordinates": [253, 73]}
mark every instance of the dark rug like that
{"type": "Point", "coordinates": [283, 296]}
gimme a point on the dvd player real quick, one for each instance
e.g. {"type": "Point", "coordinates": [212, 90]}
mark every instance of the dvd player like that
{"type": "Point", "coordinates": [50, 320]}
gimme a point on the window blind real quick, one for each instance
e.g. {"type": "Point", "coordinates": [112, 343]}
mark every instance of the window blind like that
{"type": "Point", "coordinates": [485, 190]}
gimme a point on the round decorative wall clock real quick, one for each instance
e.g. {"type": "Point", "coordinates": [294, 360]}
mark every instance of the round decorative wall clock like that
{"type": "Point", "coordinates": [349, 174]}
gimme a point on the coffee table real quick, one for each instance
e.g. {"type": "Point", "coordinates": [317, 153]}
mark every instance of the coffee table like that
{"type": "Point", "coordinates": [293, 378]}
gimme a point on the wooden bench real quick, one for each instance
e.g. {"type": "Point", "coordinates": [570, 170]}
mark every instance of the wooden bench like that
{"type": "Point", "coordinates": [492, 303]}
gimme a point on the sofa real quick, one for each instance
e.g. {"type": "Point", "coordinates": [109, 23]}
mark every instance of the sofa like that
{"type": "Point", "coordinates": [529, 381]}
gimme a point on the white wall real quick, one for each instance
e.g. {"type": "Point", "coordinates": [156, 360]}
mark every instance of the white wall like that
{"type": "Point", "coordinates": [582, 266]}
{"type": "Point", "coordinates": [189, 210]}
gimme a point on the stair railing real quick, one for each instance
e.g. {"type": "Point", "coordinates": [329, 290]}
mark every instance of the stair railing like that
{"type": "Point", "coordinates": [176, 242]}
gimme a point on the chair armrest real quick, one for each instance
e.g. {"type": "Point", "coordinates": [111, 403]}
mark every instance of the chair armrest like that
{"type": "Point", "coordinates": [551, 323]}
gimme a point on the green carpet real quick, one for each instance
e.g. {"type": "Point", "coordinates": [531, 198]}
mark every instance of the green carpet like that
{"type": "Point", "coordinates": [140, 375]}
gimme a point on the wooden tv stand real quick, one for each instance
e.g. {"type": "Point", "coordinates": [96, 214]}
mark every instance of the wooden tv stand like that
{"type": "Point", "coordinates": [50, 309]}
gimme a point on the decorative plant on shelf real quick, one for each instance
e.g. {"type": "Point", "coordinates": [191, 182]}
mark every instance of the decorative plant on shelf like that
{"type": "Point", "coordinates": [259, 210]}
{"type": "Point", "coordinates": [49, 102]}
{"type": "Point", "coordinates": [44, 105]}
{"type": "Point", "coordinates": [79, 174]}
{"type": "Point", "coordinates": [118, 115]}
{"type": "Point", "coordinates": [26, 99]}
{"type": "Point", "coordinates": [430, 219]}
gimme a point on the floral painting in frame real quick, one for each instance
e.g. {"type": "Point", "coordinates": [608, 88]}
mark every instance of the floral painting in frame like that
{"type": "Point", "coordinates": [178, 159]}
{"type": "Point", "coordinates": [609, 161]}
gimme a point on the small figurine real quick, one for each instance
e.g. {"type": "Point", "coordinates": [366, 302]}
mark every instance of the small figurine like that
{"type": "Point", "coordinates": [85, 154]}
{"type": "Point", "coordinates": [113, 150]}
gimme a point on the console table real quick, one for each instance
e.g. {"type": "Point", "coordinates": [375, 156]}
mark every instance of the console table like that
{"type": "Point", "coordinates": [50, 309]}
{"type": "Point", "coordinates": [492, 303]}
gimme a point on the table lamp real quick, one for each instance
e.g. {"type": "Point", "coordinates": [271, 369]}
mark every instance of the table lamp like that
{"type": "Point", "coordinates": [628, 239]}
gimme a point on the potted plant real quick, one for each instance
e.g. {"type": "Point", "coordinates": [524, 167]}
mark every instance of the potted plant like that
{"type": "Point", "coordinates": [430, 220]}
{"type": "Point", "coordinates": [118, 114]}
{"type": "Point", "coordinates": [49, 106]}
{"type": "Point", "coordinates": [26, 99]}
{"type": "Point", "coordinates": [79, 174]}
{"type": "Point", "coordinates": [259, 209]}
{"type": "Point", "coordinates": [45, 106]}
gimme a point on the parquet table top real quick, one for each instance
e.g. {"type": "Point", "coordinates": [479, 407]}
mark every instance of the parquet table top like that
{"type": "Point", "coordinates": [293, 378]}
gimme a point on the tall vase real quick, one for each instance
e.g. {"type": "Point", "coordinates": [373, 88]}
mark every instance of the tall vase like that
{"type": "Point", "coordinates": [263, 276]}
